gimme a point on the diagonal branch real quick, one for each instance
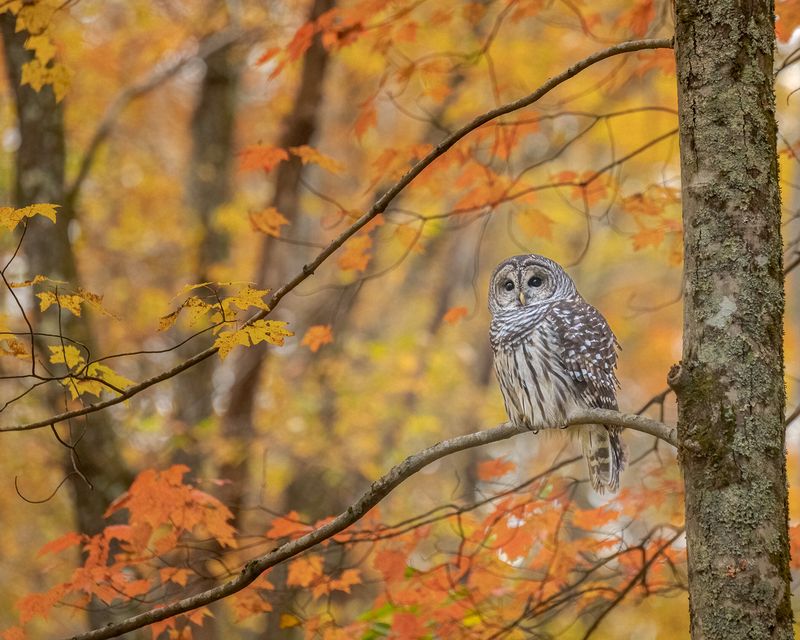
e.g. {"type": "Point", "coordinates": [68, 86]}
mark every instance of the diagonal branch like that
{"type": "Point", "coordinates": [377, 491]}
{"type": "Point", "coordinates": [155, 79]}
{"type": "Point", "coordinates": [378, 207]}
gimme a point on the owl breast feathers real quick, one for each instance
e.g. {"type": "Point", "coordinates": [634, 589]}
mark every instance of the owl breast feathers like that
{"type": "Point", "coordinates": [555, 353]}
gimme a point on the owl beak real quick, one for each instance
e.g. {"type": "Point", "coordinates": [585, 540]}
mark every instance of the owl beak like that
{"type": "Point", "coordinates": [522, 298]}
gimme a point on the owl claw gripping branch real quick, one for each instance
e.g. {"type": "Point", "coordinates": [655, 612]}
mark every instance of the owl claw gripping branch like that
{"type": "Point", "coordinates": [555, 353]}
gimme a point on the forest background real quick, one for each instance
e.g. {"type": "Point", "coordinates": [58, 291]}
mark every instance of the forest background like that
{"type": "Point", "coordinates": [200, 154]}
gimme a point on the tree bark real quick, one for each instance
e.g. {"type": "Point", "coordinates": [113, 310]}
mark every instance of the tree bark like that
{"type": "Point", "coordinates": [730, 382]}
{"type": "Point", "coordinates": [40, 163]}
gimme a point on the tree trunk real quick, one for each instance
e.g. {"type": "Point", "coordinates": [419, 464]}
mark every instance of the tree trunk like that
{"type": "Point", "coordinates": [48, 251]}
{"type": "Point", "coordinates": [730, 382]}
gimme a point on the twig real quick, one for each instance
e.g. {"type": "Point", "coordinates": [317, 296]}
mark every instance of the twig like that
{"type": "Point", "coordinates": [377, 491]}
{"type": "Point", "coordinates": [378, 207]}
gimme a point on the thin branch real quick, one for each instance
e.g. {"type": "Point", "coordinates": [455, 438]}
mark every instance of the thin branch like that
{"type": "Point", "coordinates": [377, 491]}
{"type": "Point", "coordinates": [378, 207]}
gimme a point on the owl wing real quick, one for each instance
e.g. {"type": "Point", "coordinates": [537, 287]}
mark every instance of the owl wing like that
{"type": "Point", "coordinates": [588, 351]}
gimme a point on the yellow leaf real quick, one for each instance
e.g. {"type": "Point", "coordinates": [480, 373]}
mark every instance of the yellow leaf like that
{"type": "Point", "coordinates": [35, 17]}
{"type": "Point", "coordinates": [227, 340]}
{"type": "Point", "coordinates": [71, 303]}
{"type": "Point", "coordinates": [268, 221]}
{"type": "Point", "coordinates": [68, 354]}
{"type": "Point", "coordinates": [165, 322]}
{"type": "Point", "coordinates": [317, 336]}
{"type": "Point", "coordinates": [271, 331]}
{"type": "Point", "coordinates": [288, 621]}
{"type": "Point", "coordinates": [99, 370]}
{"type": "Point", "coordinates": [309, 154]}
{"type": "Point", "coordinates": [28, 283]}
{"type": "Point", "coordinates": [42, 46]}
{"type": "Point", "coordinates": [245, 298]}
{"type": "Point", "coordinates": [10, 217]}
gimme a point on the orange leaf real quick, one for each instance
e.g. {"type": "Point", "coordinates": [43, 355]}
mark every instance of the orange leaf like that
{"type": "Point", "coordinates": [496, 468]}
{"type": "Point", "coordinates": [268, 221]}
{"type": "Point", "coordinates": [261, 156]}
{"type": "Point", "coordinates": [647, 238]}
{"type": "Point", "coordinates": [317, 336]}
{"type": "Point", "coordinates": [268, 55]}
{"type": "Point", "coordinates": [367, 119]}
{"type": "Point", "coordinates": [309, 154]}
{"type": "Point", "coordinates": [788, 18]}
{"type": "Point", "coordinates": [59, 544]}
{"type": "Point", "coordinates": [304, 570]}
{"type": "Point", "coordinates": [356, 255]}
{"type": "Point", "coordinates": [454, 315]}
{"type": "Point", "coordinates": [288, 527]}
{"type": "Point", "coordinates": [407, 626]}
{"type": "Point", "coordinates": [391, 563]}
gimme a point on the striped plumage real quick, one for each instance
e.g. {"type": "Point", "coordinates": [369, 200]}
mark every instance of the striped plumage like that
{"type": "Point", "coordinates": [554, 353]}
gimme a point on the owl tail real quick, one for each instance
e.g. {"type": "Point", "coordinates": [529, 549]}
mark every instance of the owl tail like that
{"type": "Point", "coordinates": [605, 455]}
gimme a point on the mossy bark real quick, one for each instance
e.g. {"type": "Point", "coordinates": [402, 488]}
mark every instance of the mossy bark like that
{"type": "Point", "coordinates": [730, 383]}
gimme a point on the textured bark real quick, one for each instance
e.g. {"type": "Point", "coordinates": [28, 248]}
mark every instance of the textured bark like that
{"type": "Point", "coordinates": [730, 382]}
{"type": "Point", "coordinates": [47, 249]}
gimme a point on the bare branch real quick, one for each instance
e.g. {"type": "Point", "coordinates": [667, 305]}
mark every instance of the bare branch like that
{"type": "Point", "coordinates": [377, 491]}
{"type": "Point", "coordinates": [378, 207]}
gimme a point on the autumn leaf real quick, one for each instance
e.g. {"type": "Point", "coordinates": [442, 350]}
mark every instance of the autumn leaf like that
{"type": "Point", "coordinates": [391, 563]}
{"type": "Point", "coordinates": [309, 154]}
{"type": "Point", "coordinates": [647, 237]}
{"type": "Point", "coordinates": [356, 255]}
{"type": "Point", "coordinates": [270, 331]}
{"type": "Point", "coordinates": [496, 468]}
{"type": "Point", "coordinates": [287, 527]}
{"type": "Point", "coordinates": [318, 335]}
{"type": "Point", "coordinates": [59, 544]}
{"type": "Point", "coordinates": [367, 119]}
{"type": "Point", "coordinates": [454, 315]}
{"type": "Point", "coordinates": [304, 570]}
{"type": "Point", "coordinates": [10, 217]}
{"type": "Point", "coordinates": [287, 621]}
{"type": "Point", "coordinates": [261, 156]}
{"type": "Point", "coordinates": [269, 221]}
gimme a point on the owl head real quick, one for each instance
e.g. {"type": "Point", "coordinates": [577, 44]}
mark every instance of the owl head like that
{"type": "Point", "coordinates": [527, 281]}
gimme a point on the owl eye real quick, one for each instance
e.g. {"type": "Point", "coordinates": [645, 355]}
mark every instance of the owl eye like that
{"type": "Point", "coordinates": [535, 281]}
{"type": "Point", "coordinates": [508, 285]}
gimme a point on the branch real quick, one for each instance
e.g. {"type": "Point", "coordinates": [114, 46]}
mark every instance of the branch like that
{"type": "Point", "coordinates": [378, 207]}
{"type": "Point", "coordinates": [157, 77]}
{"type": "Point", "coordinates": [377, 491]}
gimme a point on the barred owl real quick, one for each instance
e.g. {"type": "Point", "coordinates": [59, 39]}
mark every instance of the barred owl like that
{"type": "Point", "coordinates": [554, 353]}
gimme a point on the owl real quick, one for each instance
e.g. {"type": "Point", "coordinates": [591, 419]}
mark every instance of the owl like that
{"type": "Point", "coordinates": [555, 353]}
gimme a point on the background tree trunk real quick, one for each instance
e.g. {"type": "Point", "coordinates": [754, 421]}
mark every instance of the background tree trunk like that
{"type": "Point", "coordinates": [730, 383]}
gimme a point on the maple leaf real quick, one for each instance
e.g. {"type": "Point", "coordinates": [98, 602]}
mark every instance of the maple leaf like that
{"type": "Point", "coordinates": [270, 331]}
{"type": "Point", "coordinates": [287, 527]}
{"type": "Point", "coordinates": [496, 468]}
{"type": "Point", "coordinates": [288, 621]}
{"type": "Point", "coordinates": [68, 354]}
{"type": "Point", "coordinates": [59, 544]}
{"type": "Point", "coordinates": [304, 570]}
{"type": "Point", "coordinates": [454, 315]}
{"type": "Point", "coordinates": [318, 335]}
{"type": "Point", "coordinates": [261, 156]}
{"type": "Point", "coordinates": [356, 255]}
{"type": "Point", "coordinates": [245, 298]}
{"type": "Point", "coordinates": [391, 563]}
{"type": "Point", "coordinates": [347, 579]}
{"type": "Point", "coordinates": [10, 217]}
{"type": "Point", "coordinates": [269, 221]}
{"type": "Point", "coordinates": [408, 626]}
{"type": "Point", "coordinates": [309, 154]}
